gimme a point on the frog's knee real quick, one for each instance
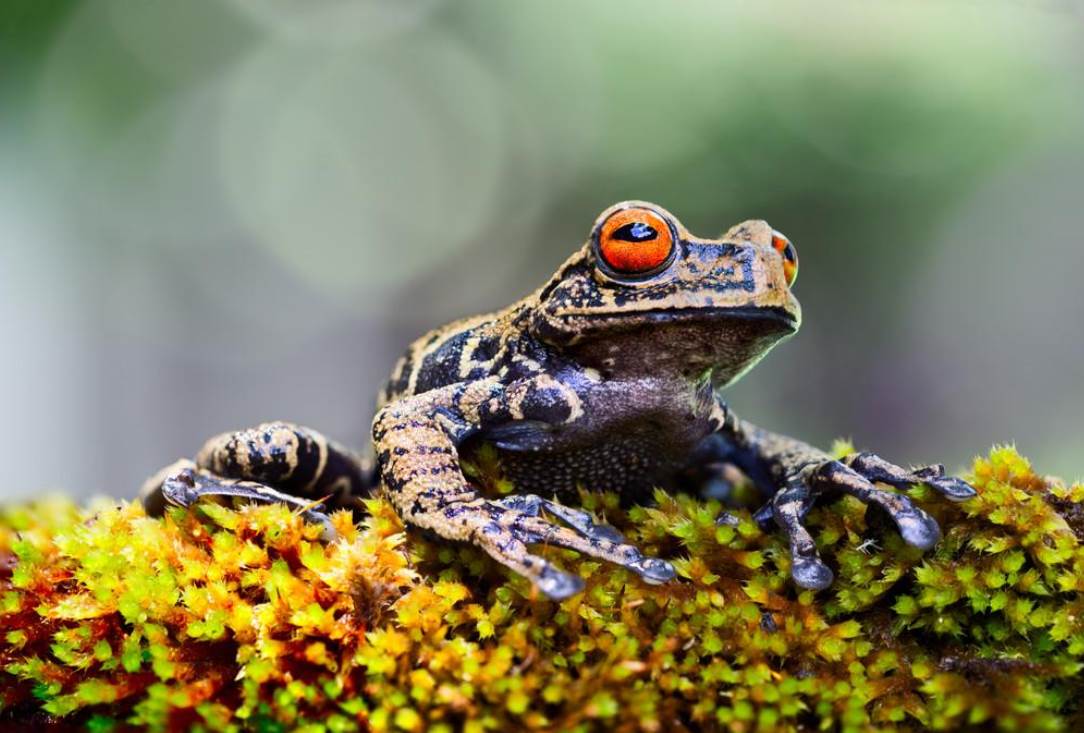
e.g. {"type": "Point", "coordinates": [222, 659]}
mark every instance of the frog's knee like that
{"type": "Point", "coordinates": [152, 494]}
{"type": "Point", "coordinates": [271, 453]}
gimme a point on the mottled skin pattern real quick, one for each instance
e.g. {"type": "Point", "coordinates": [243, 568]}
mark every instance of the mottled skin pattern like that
{"type": "Point", "coordinates": [602, 378]}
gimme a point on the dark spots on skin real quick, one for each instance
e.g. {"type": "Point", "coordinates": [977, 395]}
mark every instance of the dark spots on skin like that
{"type": "Point", "coordinates": [438, 368]}
{"type": "Point", "coordinates": [398, 383]}
{"type": "Point", "coordinates": [408, 425]}
{"type": "Point", "coordinates": [546, 405]}
{"type": "Point", "coordinates": [255, 456]}
{"type": "Point", "coordinates": [486, 348]}
{"type": "Point", "coordinates": [425, 450]}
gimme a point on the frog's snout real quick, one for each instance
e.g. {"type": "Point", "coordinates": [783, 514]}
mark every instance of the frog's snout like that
{"type": "Point", "coordinates": [786, 249]}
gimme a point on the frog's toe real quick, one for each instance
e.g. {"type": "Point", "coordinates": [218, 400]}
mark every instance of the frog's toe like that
{"type": "Point", "coordinates": [654, 571]}
{"type": "Point", "coordinates": [787, 508]}
{"type": "Point", "coordinates": [951, 488]}
{"type": "Point", "coordinates": [916, 527]}
{"type": "Point", "coordinates": [811, 573]}
{"type": "Point", "coordinates": [557, 584]}
{"type": "Point", "coordinates": [577, 519]}
{"type": "Point", "coordinates": [726, 519]}
{"type": "Point", "coordinates": [530, 530]}
{"type": "Point", "coordinates": [875, 468]}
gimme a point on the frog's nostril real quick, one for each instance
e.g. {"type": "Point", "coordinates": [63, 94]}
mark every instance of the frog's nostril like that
{"type": "Point", "coordinates": [790, 256]}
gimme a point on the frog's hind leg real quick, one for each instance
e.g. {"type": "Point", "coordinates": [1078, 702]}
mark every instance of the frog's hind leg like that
{"type": "Point", "coordinates": [291, 458]}
{"type": "Point", "coordinates": [273, 462]}
{"type": "Point", "coordinates": [184, 483]}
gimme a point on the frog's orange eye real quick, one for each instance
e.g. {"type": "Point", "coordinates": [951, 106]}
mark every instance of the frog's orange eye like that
{"type": "Point", "coordinates": [635, 241]}
{"type": "Point", "coordinates": [790, 257]}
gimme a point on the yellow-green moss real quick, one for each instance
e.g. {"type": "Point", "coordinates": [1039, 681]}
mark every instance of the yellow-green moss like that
{"type": "Point", "coordinates": [222, 619]}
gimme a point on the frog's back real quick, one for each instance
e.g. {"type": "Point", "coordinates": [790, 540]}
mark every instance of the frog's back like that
{"type": "Point", "coordinates": [463, 350]}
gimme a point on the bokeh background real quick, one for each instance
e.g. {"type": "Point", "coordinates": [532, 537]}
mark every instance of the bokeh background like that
{"type": "Point", "coordinates": [216, 212]}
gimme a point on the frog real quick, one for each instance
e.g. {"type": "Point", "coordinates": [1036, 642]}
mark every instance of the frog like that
{"type": "Point", "coordinates": [608, 377]}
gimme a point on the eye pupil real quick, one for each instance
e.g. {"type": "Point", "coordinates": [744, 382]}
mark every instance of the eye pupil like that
{"type": "Point", "coordinates": [636, 231]}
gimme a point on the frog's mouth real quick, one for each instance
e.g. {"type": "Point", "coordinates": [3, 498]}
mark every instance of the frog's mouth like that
{"type": "Point", "coordinates": [783, 319]}
{"type": "Point", "coordinates": [781, 316]}
{"type": "Point", "coordinates": [737, 329]}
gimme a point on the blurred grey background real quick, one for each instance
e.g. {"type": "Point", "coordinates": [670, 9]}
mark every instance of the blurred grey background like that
{"type": "Point", "coordinates": [214, 213]}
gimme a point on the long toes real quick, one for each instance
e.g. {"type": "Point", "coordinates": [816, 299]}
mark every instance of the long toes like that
{"type": "Point", "coordinates": [789, 506]}
{"type": "Point", "coordinates": [764, 517]}
{"type": "Point", "coordinates": [654, 571]}
{"type": "Point", "coordinates": [528, 504]}
{"type": "Point", "coordinates": [875, 468]}
{"type": "Point", "coordinates": [811, 573]}
{"type": "Point", "coordinates": [917, 528]}
{"type": "Point", "coordinates": [582, 522]}
{"type": "Point", "coordinates": [726, 519]}
{"type": "Point", "coordinates": [529, 531]}
{"type": "Point", "coordinates": [936, 470]}
{"type": "Point", "coordinates": [952, 488]}
{"type": "Point", "coordinates": [557, 584]}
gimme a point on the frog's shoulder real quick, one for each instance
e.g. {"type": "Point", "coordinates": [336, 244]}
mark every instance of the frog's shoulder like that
{"type": "Point", "coordinates": [463, 350]}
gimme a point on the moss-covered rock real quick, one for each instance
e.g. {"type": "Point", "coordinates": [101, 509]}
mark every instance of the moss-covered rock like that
{"type": "Point", "coordinates": [221, 618]}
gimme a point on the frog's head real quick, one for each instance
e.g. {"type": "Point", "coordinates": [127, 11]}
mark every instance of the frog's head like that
{"type": "Point", "coordinates": [643, 294]}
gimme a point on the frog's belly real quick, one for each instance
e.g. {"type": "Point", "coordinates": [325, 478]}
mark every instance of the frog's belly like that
{"type": "Point", "coordinates": [630, 465]}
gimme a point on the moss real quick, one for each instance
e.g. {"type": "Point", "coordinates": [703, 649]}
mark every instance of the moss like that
{"type": "Point", "coordinates": [222, 619]}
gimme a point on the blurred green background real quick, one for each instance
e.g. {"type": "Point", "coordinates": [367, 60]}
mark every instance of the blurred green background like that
{"type": "Point", "coordinates": [219, 212]}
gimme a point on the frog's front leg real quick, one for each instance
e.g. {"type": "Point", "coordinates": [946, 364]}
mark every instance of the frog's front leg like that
{"type": "Point", "coordinates": [797, 474]}
{"type": "Point", "coordinates": [417, 440]}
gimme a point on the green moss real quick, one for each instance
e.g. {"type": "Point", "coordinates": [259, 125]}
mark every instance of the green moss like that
{"type": "Point", "coordinates": [221, 618]}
